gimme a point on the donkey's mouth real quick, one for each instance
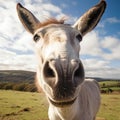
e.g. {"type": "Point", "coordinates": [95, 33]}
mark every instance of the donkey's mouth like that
{"type": "Point", "coordinates": [62, 103]}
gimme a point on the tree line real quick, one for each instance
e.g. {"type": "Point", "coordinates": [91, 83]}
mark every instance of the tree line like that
{"type": "Point", "coordinates": [28, 87]}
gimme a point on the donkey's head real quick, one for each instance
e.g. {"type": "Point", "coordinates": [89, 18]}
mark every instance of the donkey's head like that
{"type": "Point", "coordinates": [60, 71]}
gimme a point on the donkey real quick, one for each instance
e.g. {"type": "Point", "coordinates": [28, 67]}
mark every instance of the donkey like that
{"type": "Point", "coordinates": [60, 72]}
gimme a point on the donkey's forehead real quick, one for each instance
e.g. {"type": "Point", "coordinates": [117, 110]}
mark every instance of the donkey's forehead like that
{"type": "Point", "coordinates": [57, 27]}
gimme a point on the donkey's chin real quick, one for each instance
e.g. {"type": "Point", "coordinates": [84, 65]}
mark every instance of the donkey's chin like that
{"type": "Point", "coordinates": [63, 103]}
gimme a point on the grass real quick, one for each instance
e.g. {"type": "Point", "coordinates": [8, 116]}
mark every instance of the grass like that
{"type": "Point", "coordinates": [110, 107]}
{"type": "Point", "coordinates": [113, 88]}
{"type": "Point", "coordinates": [113, 85]}
{"type": "Point", "coordinates": [109, 83]}
{"type": "Point", "coordinates": [16, 105]}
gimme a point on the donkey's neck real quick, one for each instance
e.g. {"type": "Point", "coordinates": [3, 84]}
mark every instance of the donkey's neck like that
{"type": "Point", "coordinates": [66, 113]}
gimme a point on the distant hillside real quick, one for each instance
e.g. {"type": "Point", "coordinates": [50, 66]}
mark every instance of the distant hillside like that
{"type": "Point", "coordinates": [17, 80]}
{"type": "Point", "coordinates": [27, 76]}
{"type": "Point", "coordinates": [17, 76]}
{"type": "Point", "coordinates": [24, 81]}
{"type": "Point", "coordinates": [103, 79]}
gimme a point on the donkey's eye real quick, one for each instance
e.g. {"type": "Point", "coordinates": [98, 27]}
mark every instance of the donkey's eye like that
{"type": "Point", "coordinates": [36, 37]}
{"type": "Point", "coordinates": [79, 37]}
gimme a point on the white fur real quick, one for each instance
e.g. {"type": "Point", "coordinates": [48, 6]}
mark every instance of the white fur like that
{"type": "Point", "coordinates": [84, 108]}
{"type": "Point", "coordinates": [87, 103]}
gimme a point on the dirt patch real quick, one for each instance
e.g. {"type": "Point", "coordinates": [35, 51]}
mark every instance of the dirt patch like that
{"type": "Point", "coordinates": [9, 114]}
{"type": "Point", "coordinates": [27, 109]}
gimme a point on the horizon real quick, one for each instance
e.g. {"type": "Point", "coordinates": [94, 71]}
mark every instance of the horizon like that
{"type": "Point", "coordinates": [99, 49]}
{"type": "Point", "coordinates": [86, 77]}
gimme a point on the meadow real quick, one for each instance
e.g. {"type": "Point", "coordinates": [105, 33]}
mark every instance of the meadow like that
{"type": "Point", "coordinates": [15, 105]}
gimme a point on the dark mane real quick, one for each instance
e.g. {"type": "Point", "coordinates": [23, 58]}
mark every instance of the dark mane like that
{"type": "Point", "coordinates": [51, 21]}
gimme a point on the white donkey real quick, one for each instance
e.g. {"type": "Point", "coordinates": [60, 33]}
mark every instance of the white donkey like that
{"type": "Point", "coordinates": [60, 72]}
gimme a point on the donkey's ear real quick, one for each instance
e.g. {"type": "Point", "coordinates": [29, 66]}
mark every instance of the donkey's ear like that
{"type": "Point", "coordinates": [28, 20]}
{"type": "Point", "coordinates": [90, 19]}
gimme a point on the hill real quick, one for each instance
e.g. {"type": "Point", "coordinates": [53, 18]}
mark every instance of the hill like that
{"type": "Point", "coordinates": [28, 76]}
{"type": "Point", "coordinates": [17, 76]}
{"type": "Point", "coordinates": [24, 81]}
{"type": "Point", "coordinates": [17, 80]}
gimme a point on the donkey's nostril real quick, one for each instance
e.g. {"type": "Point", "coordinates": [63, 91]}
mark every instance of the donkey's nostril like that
{"type": "Point", "coordinates": [79, 72]}
{"type": "Point", "coordinates": [48, 71]}
{"type": "Point", "coordinates": [78, 75]}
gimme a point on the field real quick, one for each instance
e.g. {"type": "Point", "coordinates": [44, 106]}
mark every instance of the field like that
{"type": "Point", "coordinates": [110, 107]}
{"type": "Point", "coordinates": [16, 105]}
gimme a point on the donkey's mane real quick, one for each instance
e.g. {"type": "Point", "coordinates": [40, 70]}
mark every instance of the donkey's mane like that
{"type": "Point", "coordinates": [51, 21]}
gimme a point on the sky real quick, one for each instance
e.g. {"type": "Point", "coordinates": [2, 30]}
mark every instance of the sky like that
{"type": "Point", "coordinates": [100, 49]}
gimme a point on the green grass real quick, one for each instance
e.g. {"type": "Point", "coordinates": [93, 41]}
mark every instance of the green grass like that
{"type": "Point", "coordinates": [16, 105]}
{"type": "Point", "coordinates": [110, 107]}
{"type": "Point", "coordinates": [113, 88]}
{"type": "Point", "coordinates": [112, 82]}
{"type": "Point", "coordinates": [113, 85]}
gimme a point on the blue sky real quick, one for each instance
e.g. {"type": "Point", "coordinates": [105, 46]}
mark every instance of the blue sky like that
{"type": "Point", "coordinates": [99, 48]}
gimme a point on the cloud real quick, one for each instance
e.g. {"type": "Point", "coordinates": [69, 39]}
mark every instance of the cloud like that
{"type": "Point", "coordinates": [106, 47]}
{"type": "Point", "coordinates": [24, 43]}
{"type": "Point", "coordinates": [111, 20]}
{"type": "Point", "coordinates": [98, 53]}
{"type": "Point", "coordinates": [100, 68]}
{"type": "Point", "coordinates": [5, 54]}
{"type": "Point", "coordinates": [16, 44]}
{"type": "Point", "coordinates": [11, 60]}
{"type": "Point", "coordinates": [112, 44]}
{"type": "Point", "coordinates": [109, 42]}
{"type": "Point", "coordinates": [9, 25]}
{"type": "Point", "coordinates": [90, 44]}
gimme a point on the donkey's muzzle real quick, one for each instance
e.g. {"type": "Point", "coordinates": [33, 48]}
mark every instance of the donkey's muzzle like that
{"type": "Point", "coordinates": [63, 76]}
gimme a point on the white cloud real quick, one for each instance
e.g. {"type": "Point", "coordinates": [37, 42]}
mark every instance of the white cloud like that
{"type": "Point", "coordinates": [94, 67]}
{"type": "Point", "coordinates": [24, 43]}
{"type": "Point", "coordinates": [111, 20]}
{"type": "Point", "coordinates": [100, 68]}
{"type": "Point", "coordinates": [9, 25]}
{"type": "Point", "coordinates": [11, 60]}
{"type": "Point", "coordinates": [4, 41]}
{"type": "Point", "coordinates": [109, 42]}
{"type": "Point", "coordinates": [107, 47]}
{"type": "Point", "coordinates": [113, 45]}
{"type": "Point", "coordinates": [91, 44]}
{"type": "Point", "coordinates": [16, 43]}
{"type": "Point", "coordinates": [25, 62]}
{"type": "Point", "coordinates": [5, 55]}
{"type": "Point", "coordinates": [104, 50]}
{"type": "Point", "coordinates": [51, 8]}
